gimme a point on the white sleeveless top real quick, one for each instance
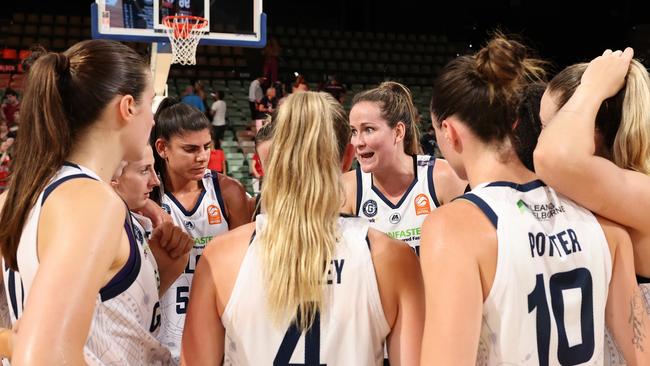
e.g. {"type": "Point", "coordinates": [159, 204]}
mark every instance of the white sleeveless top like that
{"type": "Point", "coordinates": [124, 320]}
{"type": "Point", "coordinates": [547, 302]}
{"type": "Point", "coordinates": [205, 220]}
{"type": "Point", "coordinates": [402, 221]}
{"type": "Point", "coordinates": [350, 331]}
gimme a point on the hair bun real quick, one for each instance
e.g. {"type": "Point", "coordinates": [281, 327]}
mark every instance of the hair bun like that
{"type": "Point", "coordinates": [501, 61]}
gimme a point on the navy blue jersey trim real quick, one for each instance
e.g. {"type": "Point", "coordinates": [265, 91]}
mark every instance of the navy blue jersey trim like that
{"type": "Point", "coordinates": [406, 193]}
{"type": "Point", "coordinates": [483, 206]}
{"type": "Point", "coordinates": [217, 191]}
{"type": "Point", "coordinates": [520, 187]}
{"type": "Point", "coordinates": [53, 186]}
{"type": "Point", "coordinates": [11, 282]}
{"type": "Point", "coordinates": [432, 188]}
{"type": "Point", "coordinates": [252, 238]}
{"type": "Point", "coordinates": [641, 279]}
{"type": "Point", "coordinates": [359, 190]}
{"type": "Point", "coordinates": [128, 274]}
{"type": "Point", "coordinates": [67, 163]}
{"type": "Point", "coordinates": [182, 208]}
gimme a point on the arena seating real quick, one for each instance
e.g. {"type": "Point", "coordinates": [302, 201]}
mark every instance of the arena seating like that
{"type": "Point", "coordinates": [361, 60]}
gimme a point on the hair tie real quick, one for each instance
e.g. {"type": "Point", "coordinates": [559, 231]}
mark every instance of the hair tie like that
{"type": "Point", "coordinates": [62, 64]}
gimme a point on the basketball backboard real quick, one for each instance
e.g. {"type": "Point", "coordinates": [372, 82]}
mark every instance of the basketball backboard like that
{"type": "Point", "coordinates": [239, 23]}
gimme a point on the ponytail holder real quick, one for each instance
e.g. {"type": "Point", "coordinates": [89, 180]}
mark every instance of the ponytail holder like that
{"type": "Point", "coordinates": [62, 64]}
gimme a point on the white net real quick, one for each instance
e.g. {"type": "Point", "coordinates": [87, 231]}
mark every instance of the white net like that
{"type": "Point", "coordinates": [184, 33]}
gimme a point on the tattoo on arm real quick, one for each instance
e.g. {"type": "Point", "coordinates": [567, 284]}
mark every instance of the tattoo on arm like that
{"type": "Point", "coordinates": [638, 316]}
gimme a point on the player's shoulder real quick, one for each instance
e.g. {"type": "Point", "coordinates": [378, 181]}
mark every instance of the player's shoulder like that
{"type": "Point", "coordinates": [385, 249]}
{"type": "Point", "coordinates": [458, 225]}
{"type": "Point", "coordinates": [229, 184]}
{"type": "Point", "coordinates": [85, 192]}
{"type": "Point", "coordinates": [225, 248]}
{"type": "Point", "coordinates": [614, 233]}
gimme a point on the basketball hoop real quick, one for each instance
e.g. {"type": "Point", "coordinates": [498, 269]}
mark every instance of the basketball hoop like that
{"type": "Point", "coordinates": [184, 32]}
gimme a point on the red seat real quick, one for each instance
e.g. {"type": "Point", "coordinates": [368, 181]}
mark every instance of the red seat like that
{"type": "Point", "coordinates": [9, 54]}
{"type": "Point", "coordinates": [23, 54]}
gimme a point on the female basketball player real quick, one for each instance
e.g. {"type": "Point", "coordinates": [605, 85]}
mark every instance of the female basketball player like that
{"type": "Point", "coordinates": [596, 148]}
{"type": "Point", "coordinates": [394, 187]}
{"type": "Point", "coordinates": [304, 285]}
{"type": "Point", "coordinates": [202, 202]}
{"type": "Point", "coordinates": [540, 274]}
{"type": "Point", "coordinates": [134, 181]}
{"type": "Point", "coordinates": [64, 228]}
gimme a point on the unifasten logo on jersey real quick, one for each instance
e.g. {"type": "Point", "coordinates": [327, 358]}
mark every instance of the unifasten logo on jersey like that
{"type": "Point", "coordinates": [395, 218]}
{"type": "Point", "coordinates": [422, 205]}
{"type": "Point", "coordinates": [189, 225]}
{"type": "Point", "coordinates": [166, 208]}
{"type": "Point", "coordinates": [214, 215]}
{"type": "Point", "coordinates": [370, 208]}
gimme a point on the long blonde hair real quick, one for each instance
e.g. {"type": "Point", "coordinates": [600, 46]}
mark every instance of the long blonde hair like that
{"type": "Point", "coordinates": [631, 148]}
{"type": "Point", "coordinates": [623, 120]}
{"type": "Point", "coordinates": [302, 196]}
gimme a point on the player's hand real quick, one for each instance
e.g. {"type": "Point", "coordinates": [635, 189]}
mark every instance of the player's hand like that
{"type": "Point", "coordinates": [155, 213]}
{"type": "Point", "coordinates": [605, 75]}
{"type": "Point", "coordinates": [171, 239]}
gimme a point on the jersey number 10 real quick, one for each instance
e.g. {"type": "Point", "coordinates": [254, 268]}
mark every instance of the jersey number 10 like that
{"type": "Point", "coordinates": [566, 355]}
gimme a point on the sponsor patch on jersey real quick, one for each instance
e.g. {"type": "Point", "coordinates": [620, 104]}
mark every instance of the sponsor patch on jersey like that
{"type": "Point", "coordinates": [369, 208]}
{"type": "Point", "coordinates": [542, 212]}
{"type": "Point", "coordinates": [189, 225]}
{"type": "Point", "coordinates": [422, 205]}
{"type": "Point", "coordinates": [166, 208]}
{"type": "Point", "coordinates": [214, 215]}
{"type": "Point", "coordinates": [426, 162]}
{"type": "Point", "coordinates": [395, 218]}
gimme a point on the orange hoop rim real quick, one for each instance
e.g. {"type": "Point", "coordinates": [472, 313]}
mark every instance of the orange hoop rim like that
{"type": "Point", "coordinates": [172, 21]}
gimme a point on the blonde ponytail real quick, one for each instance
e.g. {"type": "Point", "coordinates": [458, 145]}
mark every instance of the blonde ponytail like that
{"type": "Point", "coordinates": [301, 196]}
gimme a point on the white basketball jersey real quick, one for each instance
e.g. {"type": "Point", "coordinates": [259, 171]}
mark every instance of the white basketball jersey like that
{"type": "Point", "coordinates": [403, 220]}
{"type": "Point", "coordinates": [142, 229]}
{"type": "Point", "coordinates": [205, 220]}
{"type": "Point", "coordinates": [126, 312]}
{"type": "Point", "coordinates": [349, 331]}
{"type": "Point", "coordinates": [613, 355]}
{"type": "Point", "coordinates": [547, 302]}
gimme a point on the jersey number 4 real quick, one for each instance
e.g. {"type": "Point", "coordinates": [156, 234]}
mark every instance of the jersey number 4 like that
{"type": "Point", "coordinates": [290, 341]}
{"type": "Point", "coordinates": [566, 354]}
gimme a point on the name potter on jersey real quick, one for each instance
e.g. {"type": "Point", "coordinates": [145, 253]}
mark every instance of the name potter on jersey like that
{"type": "Point", "coordinates": [561, 244]}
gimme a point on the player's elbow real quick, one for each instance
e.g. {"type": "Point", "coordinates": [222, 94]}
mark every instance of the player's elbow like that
{"type": "Point", "coordinates": [552, 163]}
